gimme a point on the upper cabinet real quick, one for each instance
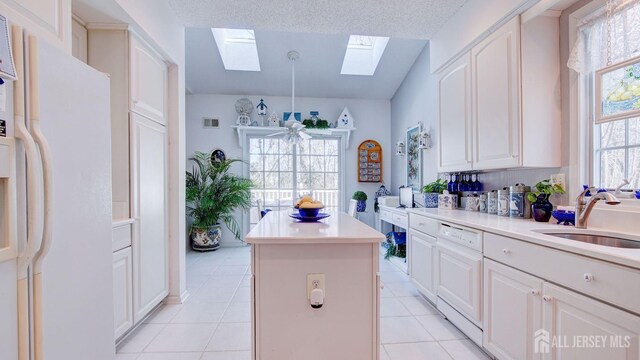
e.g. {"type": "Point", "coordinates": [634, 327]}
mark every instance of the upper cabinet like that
{"type": "Point", "coordinates": [511, 118]}
{"type": "Point", "coordinates": [495, 65]}
{"type": "Point", "coordinates": [47, 19]}
{"type": "Point", "coordinates": [148, 82]}
{"type": "Point", "coordinates": [454, 147]}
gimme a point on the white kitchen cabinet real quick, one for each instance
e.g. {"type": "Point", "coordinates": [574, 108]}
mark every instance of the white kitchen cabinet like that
{"type": "Point", "coordinates": [79, 40]}
{"type": "Point", "coordinates": [423, 263]}
{"type": "Point", "coordinates": [512, 312]}
{"type": "Point", "coordinates": [148, 187]}
{"type": "Point", "coordinates": [47, 19]}
{"type": "Point", "coordinates": [572, 317]}
{"type": "Point", "coordinates": [513, 106]}
{"type": "Point", "coordinates": [495, 65]}
{"type": "Point", "coordinates": [148, 82]}
{"type": "Point", "coordinates": [455, 145]}
{"type": "Point", "coordinates": [122, 292]}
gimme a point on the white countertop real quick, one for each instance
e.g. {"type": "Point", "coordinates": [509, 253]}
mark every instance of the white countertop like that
{"type": "Point", "coordinates": [526, 230]}
{"type": "Point", "coordinates": [278, 228]}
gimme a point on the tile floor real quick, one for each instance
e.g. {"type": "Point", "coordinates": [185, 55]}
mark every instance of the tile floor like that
{"type": "Point", "coordinates": [214, 323]}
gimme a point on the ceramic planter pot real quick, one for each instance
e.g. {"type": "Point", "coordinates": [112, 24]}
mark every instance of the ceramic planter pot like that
{"type": "Point", "coordinates": [430, 200]}
{"type": "Point", "coordinates": [206, 238]}
{"type": "Point", "coordinates": [361, 206]}
{"type": "Point", "coordinates": [541, 209]}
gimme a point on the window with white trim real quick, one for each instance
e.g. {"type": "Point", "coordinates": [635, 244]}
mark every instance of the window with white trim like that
{"type": "Point", "coordinates": [282, 172]}
{"type": "Point", "coordinates": [615, 145]}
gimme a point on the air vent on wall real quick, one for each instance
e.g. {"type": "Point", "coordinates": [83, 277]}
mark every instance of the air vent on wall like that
{"type": "Point", "coordinates": [209, 123]}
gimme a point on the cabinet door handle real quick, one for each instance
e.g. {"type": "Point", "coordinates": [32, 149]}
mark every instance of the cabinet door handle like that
{"type": "Point", "coordinates": [588, 277]}
{"type": "Point", "coordinates": [506, 251]}
{"type": "Point", "coordinates": [535, 292]}
{"type": "Point", "coordinates": [547, 298]}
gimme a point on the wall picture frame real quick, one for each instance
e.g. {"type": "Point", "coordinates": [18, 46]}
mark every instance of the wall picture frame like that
{"type": "Point", "coordinates": [617, 91]}
{"type": "Point", "coordinates": [413, 164]}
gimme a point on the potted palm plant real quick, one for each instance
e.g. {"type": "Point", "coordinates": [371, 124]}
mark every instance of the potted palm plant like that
{"type": "Point", "coordinates": [212, 195]}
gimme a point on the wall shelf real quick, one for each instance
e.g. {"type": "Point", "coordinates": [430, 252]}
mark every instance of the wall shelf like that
{"type": "Point", "coordinates": [244, 131]}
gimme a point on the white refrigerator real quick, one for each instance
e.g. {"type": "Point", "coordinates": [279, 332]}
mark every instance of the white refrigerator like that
{"type": "Point", "coordinates": [57, 194]}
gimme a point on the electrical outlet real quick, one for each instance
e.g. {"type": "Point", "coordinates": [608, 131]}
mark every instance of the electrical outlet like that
{"type": "Point", "coordinates": [559, 179]}
{"type": "Point", "coordinates": [315, 281]}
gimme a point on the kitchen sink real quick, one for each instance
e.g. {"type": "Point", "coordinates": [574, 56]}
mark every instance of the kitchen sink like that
{"type": "Point", "coordinates": [598, 239]}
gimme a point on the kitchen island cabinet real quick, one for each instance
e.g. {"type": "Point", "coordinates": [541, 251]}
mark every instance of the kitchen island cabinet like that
{"type": "Point", "coordinates": [286, 258]}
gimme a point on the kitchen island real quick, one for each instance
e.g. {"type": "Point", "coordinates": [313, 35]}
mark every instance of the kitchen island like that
{"type": "Point", "coordinates": [315, 289]}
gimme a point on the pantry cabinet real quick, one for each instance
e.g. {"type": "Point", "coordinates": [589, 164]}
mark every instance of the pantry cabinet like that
{"type": "Point", "coordinates": [576, 321]}
{"type": "Point", "coordinates": [512, 312]}
{"type": "Point", "coordinates": [148, 82]}
{"type": "Point", "coordinates": [47, 19]}
{"type": "Point", "coordinates": [454, 147]}
{"type": "Point", "coordinates": [148, 191]}
{"type": "Point", "coordinates": [512, 116]}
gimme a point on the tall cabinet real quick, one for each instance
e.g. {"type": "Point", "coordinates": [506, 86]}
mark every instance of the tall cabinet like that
{"type": "Point", "coordinates": [139, 169]}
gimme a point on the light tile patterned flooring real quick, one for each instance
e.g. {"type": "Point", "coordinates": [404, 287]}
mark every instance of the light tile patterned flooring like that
{"type": "Point", "coordinates": [214, 323]}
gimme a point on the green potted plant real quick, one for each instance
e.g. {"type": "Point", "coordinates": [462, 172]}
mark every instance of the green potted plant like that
{"type": "Point", "coordinates": [541, 208]}
{"type": "Point", "coordinates": [212, 195]}
{"type": "Point", "coordinates": [431, 191]}
{"type": "Point", "coordinates": [361, 197]}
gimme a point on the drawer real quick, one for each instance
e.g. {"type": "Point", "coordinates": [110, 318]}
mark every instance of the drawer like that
{"type": "Point", "coordinates": [121, 237]}
{"type": "Point", "coordinates": [423, 224]}
{"type": "Point", "coordinates": [608, 282]}
{"type": "Point", "coordinates": [400, 220]}
{"type": "Point", "coordinates": [386, 215]}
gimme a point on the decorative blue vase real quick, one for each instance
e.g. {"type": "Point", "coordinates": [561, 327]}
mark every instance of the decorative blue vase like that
{"type": "Point", "coordinates": [430, 200]}
{"type": "Point", "coordinates": [361, 206]}
{"type": "Point", "coordinates": [541, 209]}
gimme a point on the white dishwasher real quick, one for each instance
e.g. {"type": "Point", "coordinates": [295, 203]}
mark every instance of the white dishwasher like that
{"type": "Point", "coordinates": [459, 280]}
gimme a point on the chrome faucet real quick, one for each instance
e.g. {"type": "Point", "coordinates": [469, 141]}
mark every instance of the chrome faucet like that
{"type": "Point", "coordinates": [584, 205]}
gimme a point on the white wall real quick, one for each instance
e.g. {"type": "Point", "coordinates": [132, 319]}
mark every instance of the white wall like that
{"type": "Point", "coordinates": [372, 119]}
{"type": "Point", "coordinates": [415, 101]}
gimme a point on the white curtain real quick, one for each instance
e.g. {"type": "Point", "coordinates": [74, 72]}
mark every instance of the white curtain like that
{"type": "Point", "coordinates": [590, 50]}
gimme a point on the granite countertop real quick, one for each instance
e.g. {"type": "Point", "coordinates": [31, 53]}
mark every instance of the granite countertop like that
{"type": "Point", "coordinates": [278, 228]}
{"type": "Point", "coordinates": [531, 231]}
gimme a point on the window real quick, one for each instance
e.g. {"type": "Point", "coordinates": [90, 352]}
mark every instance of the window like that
{"type": "Point", "coordinates": [237, 48]}
{"type": "Point", "coordinates": [363, 54]}
{"type": "Point", "coordinates": [282, 172]}
{"type": "Point", "coordinates": [615, 146]}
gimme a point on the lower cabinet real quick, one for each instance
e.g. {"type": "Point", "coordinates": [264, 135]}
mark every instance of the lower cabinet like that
{"type": "Point", "coordinates": [512, 311]}
{"type": "Point", "coordinates": [423, 263]}
{"type": "Point", "coordinates": [528, 318]}
{"type": "Point", "coordinates": [586, 329]}
{"type": "Point", "coordinates": [122, 292]}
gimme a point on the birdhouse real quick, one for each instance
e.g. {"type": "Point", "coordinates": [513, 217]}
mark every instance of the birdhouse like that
{"type": "Point", "coordinates": [262, 108]}
{"type": "Point", "coordinates": [345, 120]}
{"type": "Point", "coordinates": [273, 120]}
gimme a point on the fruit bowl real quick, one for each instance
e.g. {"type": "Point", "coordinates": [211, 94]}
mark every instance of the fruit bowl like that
{"type": "Point", "coordinates": [309, 212]}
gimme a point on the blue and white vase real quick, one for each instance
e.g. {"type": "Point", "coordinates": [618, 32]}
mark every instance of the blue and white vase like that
{"type": "Point", "coordinates": [361, 206]}
{"type": "Point", "coordinates": [430, 200]}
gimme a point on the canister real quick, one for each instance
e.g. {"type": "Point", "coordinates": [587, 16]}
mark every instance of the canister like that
{"type": "Point", "coordinates": [492, 202]}
{"type": "Point", "coordinates": [447, 201]}
{"type": "Point", "coordinates": [483, 203]}
{"type": "Point", "coordinates": [473, 203]}
{"type": "Point", "coordinates": [503, 202]}
{"type": "Point", "coordinates": [519, 205]}
{"type": "Point", "coordinates": [462, 197]}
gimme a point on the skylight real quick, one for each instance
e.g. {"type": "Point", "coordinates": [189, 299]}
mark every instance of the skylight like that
{"type": "Point", "coordinates": [363, 54]}
{"type": "Point", "coordinates": [237, 49]}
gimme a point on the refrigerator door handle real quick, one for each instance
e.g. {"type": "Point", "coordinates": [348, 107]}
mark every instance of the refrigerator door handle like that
{"type": "Point", "coordinates": [47, 169]}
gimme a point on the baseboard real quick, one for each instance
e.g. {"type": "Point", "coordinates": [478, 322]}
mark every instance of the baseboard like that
{"type": "Point", "coordinates": [177, 299]}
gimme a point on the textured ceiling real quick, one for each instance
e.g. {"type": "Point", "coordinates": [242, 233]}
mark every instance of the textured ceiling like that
{"type": "Point", "coordinates": [317, 70]}
{"type": "Point", "coordinates": [415, 19]}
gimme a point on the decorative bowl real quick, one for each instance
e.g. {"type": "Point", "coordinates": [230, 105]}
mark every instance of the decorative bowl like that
{"type": "Point", "coordinates": [564, 217]}
{"type": "Point", "coordinates": [637, 194]}
{"type": "Point", "coordinates": [309, 212]}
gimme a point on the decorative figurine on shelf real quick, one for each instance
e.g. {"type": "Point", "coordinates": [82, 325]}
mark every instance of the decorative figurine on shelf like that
{"type": "Point", "coordinates": [314, 116]}
{"type": "Point", "coordinates": [273, 120]}
{"type": "Point", "coordinates": [262, 110]}
{"type": "Point", "coordinates": [244, 108]}
{"type": "Point", "coordinates": [345, 120]}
